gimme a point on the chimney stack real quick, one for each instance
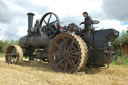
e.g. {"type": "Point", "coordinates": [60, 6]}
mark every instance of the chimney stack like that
{"type": "Point", "coordinates": [30, 22]}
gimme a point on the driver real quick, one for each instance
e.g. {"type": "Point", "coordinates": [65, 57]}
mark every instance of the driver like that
{"type": "Point", "coordinates": [87, 24]}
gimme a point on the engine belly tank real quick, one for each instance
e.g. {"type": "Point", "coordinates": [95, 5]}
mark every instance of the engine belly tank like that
{"type": "Point", "coordinates": [34, 41]}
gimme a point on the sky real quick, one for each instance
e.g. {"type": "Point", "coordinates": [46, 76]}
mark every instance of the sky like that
{"type": "Point", "coordinates": [13, 18]}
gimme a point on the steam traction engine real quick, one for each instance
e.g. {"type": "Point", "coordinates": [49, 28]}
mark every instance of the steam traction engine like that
{"type": "Point", "coordinates": [66, 49]}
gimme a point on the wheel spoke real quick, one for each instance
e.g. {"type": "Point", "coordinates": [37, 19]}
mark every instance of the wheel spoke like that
{"type": "Point", "coordinates": [76, 53]}
{"type": "Point", "coordinates": [57, 45]}
{"type": "Point", "coordinates": [73, 63]}
{"type": "Point", "coordinates": [59, 62]}
{"type": "Point", "coordinates": [65, 44]}
{"type": "Point", "coordinates": [65, 67]}
{"type": "Point", "coordinates": [14, 60]}
{"type": "Point", "coordinates": [74, 50]}
{"type": "Point", "coordinates": [49, 18]}
{"type": "Point", "coordinates": [45, 22]}
{"type": "Point", "coordinates": [71, 45]}
{"type": "Point", "coordinates": [10, 60]}
{"type": "Point", "coordinates": [59, 54]}
{"type": "Point", "coordinates": [53, 22]}
{"type": "Point", "coordinates": [75, 58]}
{"type": "Point", "coordinates": [70, 63]}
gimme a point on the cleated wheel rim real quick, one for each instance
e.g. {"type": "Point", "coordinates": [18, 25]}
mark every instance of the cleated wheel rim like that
{"type": "Point", "coordinates": [67, 53]}
{"type": "Point", "coordinates": [14, 54]}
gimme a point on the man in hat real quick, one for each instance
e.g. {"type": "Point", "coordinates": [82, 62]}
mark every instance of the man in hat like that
{"type": "Point", "coordinates": [87, 24]}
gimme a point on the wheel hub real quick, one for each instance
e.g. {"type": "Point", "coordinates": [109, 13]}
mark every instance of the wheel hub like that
{"type": "Point", "coordinates": [66, 55]}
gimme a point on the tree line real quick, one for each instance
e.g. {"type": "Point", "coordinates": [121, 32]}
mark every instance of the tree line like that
{"type": "Point", "coordinates": [5, 43]}
{"type": "Point", "coordinates": [120, 42]}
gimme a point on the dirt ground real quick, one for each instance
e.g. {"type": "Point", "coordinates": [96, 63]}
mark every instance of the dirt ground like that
{"type": "Point", "coordinates": [39, 73]}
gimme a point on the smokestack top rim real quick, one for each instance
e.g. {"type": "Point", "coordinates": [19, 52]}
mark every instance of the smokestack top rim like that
{"type": "Point", "coordinates": [30, 13]}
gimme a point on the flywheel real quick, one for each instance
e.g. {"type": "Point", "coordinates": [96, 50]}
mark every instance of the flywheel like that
{"type": "Point", "coordinates": [67, 53]}
{"type": "Point", "coordinates": [14, 54]}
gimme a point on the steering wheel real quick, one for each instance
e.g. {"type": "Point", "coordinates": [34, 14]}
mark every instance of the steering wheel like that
{"type": "Point", "coordinates": [95, 22]}
{"type": "Point", "coordinates": [50, 25]}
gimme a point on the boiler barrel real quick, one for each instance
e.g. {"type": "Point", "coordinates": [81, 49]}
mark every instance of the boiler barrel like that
{"type": "Point", "coordinates": [35, 41]}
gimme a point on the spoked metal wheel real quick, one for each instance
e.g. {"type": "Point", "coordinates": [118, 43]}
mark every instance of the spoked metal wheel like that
{"type": "Point", "coordinates": [14, 54]}
{"type": "Point", "coordinates": [67, 53]}
{"type": "Point", "coordinates": [50, 25]}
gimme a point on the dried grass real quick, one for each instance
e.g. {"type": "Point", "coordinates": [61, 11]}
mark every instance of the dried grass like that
{"type": "Point", "coordinates": [38, 73]}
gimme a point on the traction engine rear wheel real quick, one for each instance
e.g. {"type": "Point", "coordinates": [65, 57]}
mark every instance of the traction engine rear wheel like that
{"type": "Point", "coordinates": [67, 53]}
{"type": "Point", "coordinates": [14, 54]}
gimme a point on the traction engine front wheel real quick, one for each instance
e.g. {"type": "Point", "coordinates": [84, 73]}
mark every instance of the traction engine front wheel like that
{"type": "Point", "coordinates": [14, 54]}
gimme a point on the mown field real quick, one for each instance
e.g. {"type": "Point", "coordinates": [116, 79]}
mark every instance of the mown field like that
{"type": "Point", "coordinates": [40, 73]}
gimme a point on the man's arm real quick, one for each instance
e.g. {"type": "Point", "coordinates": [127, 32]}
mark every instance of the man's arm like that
{"type": "Point", "coordinates": [82, 23]}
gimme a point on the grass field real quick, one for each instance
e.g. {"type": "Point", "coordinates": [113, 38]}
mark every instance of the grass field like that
{"type": "Point", "coordinates": [39, 73]}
